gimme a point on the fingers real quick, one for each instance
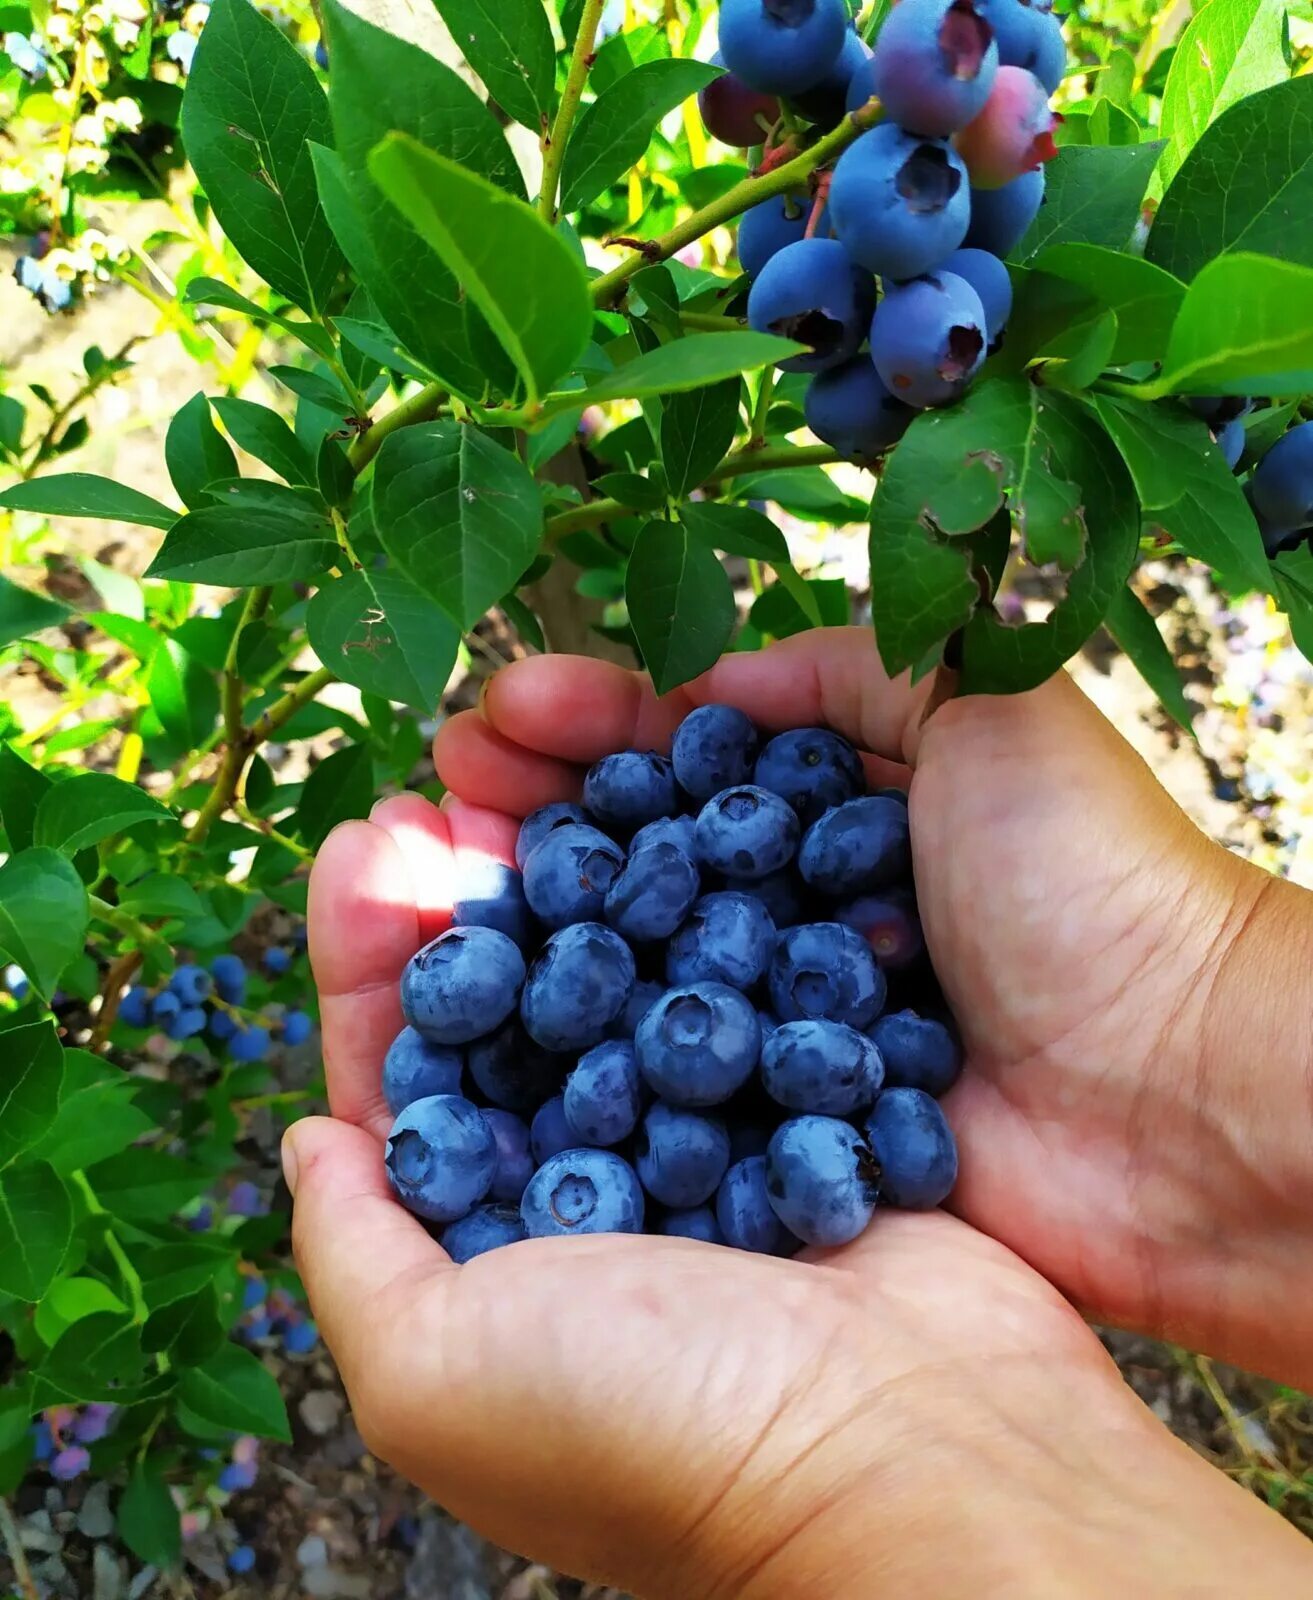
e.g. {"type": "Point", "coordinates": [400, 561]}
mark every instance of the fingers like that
{"type": "Point", "coordinates": [482, 765]}
{"type": "Point", "coordinates": [422, 836]}
{"type": "Point", "coordinates": [579, 710]}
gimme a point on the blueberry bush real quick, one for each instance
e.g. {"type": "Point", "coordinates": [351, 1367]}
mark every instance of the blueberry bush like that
{"type": "Point", "coordinates": [533, 314]}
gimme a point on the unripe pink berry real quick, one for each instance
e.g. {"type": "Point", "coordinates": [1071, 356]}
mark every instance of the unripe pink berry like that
{"type": "Point", "coordinates": [1012, 135]}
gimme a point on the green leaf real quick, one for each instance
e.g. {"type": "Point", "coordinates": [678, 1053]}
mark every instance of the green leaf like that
{"type": "Point", "coordinates": [334, 474]}
{"type": "Point", "coordinates": [43, 911]}
{"type": "Point", "coordinates": [688, 363]}
{"type": "Point", "coordinates": [23, 613]}
{"type": "Point", "coordinates": [339, 788]}
{"type": "Point", "coordinates": [380, 344]}
{"type": "Point", "coordinates": [458, 513]}
{"type": "Point", "coordinates": [31, 1072]}
{"type": "Point", "coordinates": [239, 547]}
{"type": "Point", "coordinates": [697, 428]}
{"type": "Point", "coordinates": [171, 1271]}
{"type": "Point", "coordinates": [681, 606]}
{"type": "Point", "coordinates": [70, 1300]}
{"type": "Point", "coordinates": [82, 494]}
{"type": "Point", "coordinates": [96, 1118]}
{"type": "Point", "coordinates": [742, 531]}
{"type": "Point", "coordinates": [378, 631]}
{"type": "Point", "coordinates": [1144, 298]}
{"type": "Point", "coordinates": [1078, 356]}
{"type": "Point", "coordinates": [251, 111]}
{"type": "Point", "coordinates": [631, 489]}
{"type": "Point", "coordinates": [98, 1358]}
{"type": "Point", "coordinates": [1186, 489]}
{"type": "Point", "coordinates": [21, 791]}
{"type": "Point", "coordinates": [234, 1391]}
{"type": "Point", "coordinates": [1136, 632]}
{"type": "Point", "coordinates": [144, 1185]}
{"type": "Point", "coordinates": [82, 811]}
{"type": "Point", "coordinates": [613, 132]}
{"type": "Point", "coordinates": [1237, 332]}
{"type": "Point", "coordinates": [509, 44]}
{"type": "Point", "coordinates": [785, 609]}
{"type": "Point", "coordinates": [317, 388]}
{"type": "Point", "coordinates": [1247, 185]}
{"type": "Point", "coordinates": [183, 694]}
{"type": "Point", "coordinates": [1091, 196]}
{"type": "Point", "coordinates": [264, 434]}
{"type": "Point", "coordinates": [148, 1520]}
{"type": "Point", "coordinates": [523, 277]}
{"type": "Point", "coordinates": [12, 420]}
{"type": "Point", "coordinates": [161, 894]}
{"type": "Point", "coordinates": [1231, 49]}
{"type": "Point", "coordinates": [36, 1229]}
{"type": "Point", "coordinates": [212, 292]}
{"type": "Point", "coordinates": [190, 1330]}
{"type": "Point", "coordinates": [196, 453]}
{"type": "Point", "coordinates": [808, 493]}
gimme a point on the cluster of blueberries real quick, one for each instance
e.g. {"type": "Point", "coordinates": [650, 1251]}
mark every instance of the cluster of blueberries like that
{"type": "Point", "coordinates": [677, 1016]}
{"type": "Point", "coordinates": [210, 1000]}
{"type": "Point", "coordinates": [274, 1314]}
{"type": "Point", "coordinates": [1280, 488]}
{"type": "Point", "coordinates": [61, 1434]}
{"type": "Point", "coordinates": [891, 271]}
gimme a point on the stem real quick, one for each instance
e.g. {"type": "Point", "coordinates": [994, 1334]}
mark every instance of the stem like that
{"type": "Point", "coordinates": [17, 1555]}
{"type": "Point", "coordinates": [285, 708]}
{"type": "Point", "coordinates": [131, 1278]}
{"type": "Point", "coordinates": [344, 540]}
{"type": "Point", "coordinates": [749, 192]}
{"type": "Point", "coordinates": [244, 814]}
{"type": "Point", "coordinates": [123, 922]}
{"type": "Point", "coordinates": [102, 375]}
{"type": "Point", "coordinates": [761, 411]}
{"type": "Point", "coordinates": [554, 143]}
{"type": "Point", "coordinates": [710, 322]}
{"type": "Point", "coordinates": [422, 406]}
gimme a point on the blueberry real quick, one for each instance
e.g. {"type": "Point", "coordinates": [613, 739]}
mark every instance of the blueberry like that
{"type": "Point", "coordinates": [692, 1222]}
{"type": "Point", "coordinates": [680, 1155]}
{"type": "Point", "coordinates": [301, 1338]}
{"type": "Point", "coordinates": [94, 1422]}
{"type": "Point", "coordinates": [821, 1066]}
{"type": "Point", "coordinates": [860, 846]}
{"type": "Point", "coordinates": [914, 1149]}
{"type": "Point", "coordinates": [191, 984]}
{"type": "Point", "coordinates": [822, 969]}
{"type": "Point", "coordinates": [782, 46]}
{"type": "Point", "coordinates": [229, 974]}
{"type": "Point", "coordinates": [652, 894]}
{"type": "Point", "coordinates": [989, 278]}
{"type": "Point", "coordinates": [815, 293]}
{"type": "Point", "coordinates": [1028, 36]}
{"type": "Point", "coordinates": [729, 938]}
{"type": "Point", "coordinates": [1047, 56]}
{"type": "Point", "coordinates": [714, 748]}
{"type": "Point", "coordinates": [134, 1008]}
{"type": "Point", "coordinates": [812, 768]}
{"type": "Point", "coordinates": [665, 830]}
{"type": "Point", "coordinates": [567, 876]}
{"type": "Point", "coordinates": [415, 1069]}
{"type": "Point", "coordinates": [630, 788]}
{"type": "Point", "coordinates": [825, 103]}
{"type": "Point", "coordinates": [765, 229]}
{"type": "Point", "coordinates": [249, 1043]}
{"type": "Point", "coordinates": [253, 1294]}
{"type": "Point", "coordinates": [241, 1560]}
{"type": "Point", "coordinates": [237, 1475]}
{"type": "Point", "coordinates": [538, 824]}
{"type": "Point", "coordinates": [850, 409]}
{"type": "Point", "coordinates": [514, 1071]}
{"type": "Point", "coordinates": [603, 1095]}
{"type": "Point", "coordinates": [550, 1132]}
{"type": "Point", "coordinates": [297, 1027]}
{"type": "Point", "coordinates": [933, 67]}
{"type": "Point", "coordinates": [889, 924]}
{"type": "Point", "coordinates": [899, 203]}
{"type": "Point", "coordinates": [780, 893]}
{"type": "Point", "coordinates": [1001, 218]}
{"type": "Point", "coordinates": [1282, 485]}
{"type": "Point", "coordinates": [821, 1179]}
{"type": "Point", "coordinates": [188, 1023]}
{"type": "Point", "coordinates": [583, 1191]}
{"type": "Point", "coordinates": [1231, 442]}
{"type": "Point", "coordinates": [515, 1163]}
{"type": "Point", "coordinates": [918, 1052]}
{"type": "Point", "coordinates": [487, 1227]}
{"type": "Point", "coordinates": [735, 114]}
{"type": "Point", "coordinates": [491, 895]}
{"type": "Point", "coordinates": [746, 832]}
{"type": "Point", "coordinates": [577, 987]}
{"type": "Point", "coordinates": [698, 1044]}
{"type": "Point", "coordinates": [69, 1463]}
{"type": "Point", "coordinates": [441, 1157]}
{"type": "Point", "coordinates": [165, 1008]}
{"type": "Point", "coordinates": [743, 1208]}
{"type": "Point", "coordinates": [642, 997]}
{"type": "Point", "coordinates": [462, 984]}
{"type": "Point", "coordinates": [928, 338]}
{"type": "Point", "coordinates": [277, 959]}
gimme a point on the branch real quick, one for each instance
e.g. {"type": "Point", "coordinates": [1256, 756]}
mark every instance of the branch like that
{"type": "Point", "coordinates": [749, 192]}
{"type": "Point", "coordinates": [554, 143]}
{"type": "Point", "coordinates": [422, 406]}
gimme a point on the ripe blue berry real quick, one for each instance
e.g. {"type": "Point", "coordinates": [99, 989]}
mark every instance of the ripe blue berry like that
{"type": "Point", "coordinates": [825, 102]}
{"type": "Point", "coordinates": [781, 46]}
{"type": "Point", "coordinates": [822, 969]}
{"type": "Point", "coordinates": [989, 278]}
{"type": "Point", "coordinates": [188, 1023]}
{"type": "Point", "coordinates": [698, 1044]}
{"type": "Point", "coordinates": [918, 1052]}
{"type": "Point", "coordinates": [191, 984]}
{"type": "Point", "coordinates": [441, 1156]}
{"type": "Point", "coordinates": [898, 203]}
{"type": "Point", "coordinates": [514, 1071]}
{"type": "Point", "coordinates": [743, 1209]}
{"type": "Point", "coordinates": [889, 924]}
{"type": "Point", "coordinates": [821, 1177]}
{"type": "Point", "coordinates": [515, 1163]}
{"type": "Point", "coordinates": [680, 1155]}
{"type": "Point", "coordinates": [812, 768]}
{"type": "Point", "coordinates": [780, 893]}
{"type": "Point", "coordinates": [765, 229]}
{"type": "Point", "coordinates": [538, 824]}
{"type": "Point", "coordinates": [746, 832]}
{"type": "Point", "coordinates": [277, 959]}
{"type": "Point", "coordinates": [714, 748]}
{"type": "Point", "coordinates": [821, 1066]}
{"type": "Point", "coordinates": [928, 338]}
{"type": "Point", "coordinates": [567, 876]}
{"type": "Point", "coordinates": [491, 895]}
{"type": "Point", "coordinates": [652, 894]}
{"type": "Point", "coordinates": [1047, 56]}
{"type": "Point", "coordinates": [644, 995]}
{"type": "Point", "coordinates": [934, 65]}
{"type": "Point", "coordinates": [222, 1026]}
{"type": "Point", "coordinates": [603, 1095]}
{"type": "Point", "coordinates": [849, 408]}
{"type": "Point", "coordinates": [549, 1132]}
{"type": "Point", "coordinates": [626, 790]}
{"type": "Point", "coordinates": [577, 987]}
{"type": "Point", "coordinates": [583, 1191]}
{"type": "Point", "coordinates": [462, 984]}
{"type": "Point", "coordinates": [1000, 218]}
{"type": "Point", "coordinates": [134, 1008]}
{"type": "Point", "coordinates": [665, 830]}
{"type": "Point", "coordinates": [693, 1222]}
{"type": "Point", "coordinates": [914, 1149]}
{"type": "Point", "coordinates": [487, 1227]}
{"type": "Point", "coordinates": [1231, 442]}
{"type": "Point", "coordinates": [165, 1008]}
{"type": "Point", "coordinates": [815, 293]}
{"type": "Point", "coordinates": [729, 938]}
{"type": "Point", "coordinates": [229, 974]}
{"type": "Point", "coordinates": [857, 847]}
{"type": "Point", "coordinates": [416, 1069]}
{"type": "Point", "coordinates": [1282, 484]}
{"type": "Point", "coordinates": [297, 1027]}
{"type": "Point", "coordinates": [735, 114]}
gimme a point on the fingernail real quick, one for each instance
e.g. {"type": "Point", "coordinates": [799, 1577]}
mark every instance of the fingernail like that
{"type": "Point", "coordinates": [289, 1163]}
{"type": "Point", "coordinates": [483, 695]}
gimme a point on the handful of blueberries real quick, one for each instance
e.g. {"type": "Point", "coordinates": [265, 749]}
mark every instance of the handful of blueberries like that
{"type": "Point", "coordinates": [677, 1015]}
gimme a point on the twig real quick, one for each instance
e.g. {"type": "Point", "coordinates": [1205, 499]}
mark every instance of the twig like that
{"type": "Point", "coordinates": [554, 143]}
{"type": "Point", "coordinates": [422, 406]}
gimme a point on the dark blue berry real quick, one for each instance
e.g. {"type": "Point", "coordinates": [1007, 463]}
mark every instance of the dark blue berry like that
{"type": "Point", "coordinates": [514, 1071]}
{"type": "Point", "coordinates": [191, 984]}
{"type": "Point", "coordinates": [728, 938]}
{"type": "Point", "coordinates": [491, 895]}
{"type": "Point", "coordinates": [693, 1222]}
{"type": "Point", "coordinates": [583, 1191]}
{"type": "Point", "coordinates": [781, 46]}
{"type": "Point", "coordinates": [577, 987]}
{"type": "Point", "coordinates": [890, 925]}
{"type": "Point", "coordinates": [857, 848]}
{"type": "Point", "coordinates": [652, 894]}
{"type": "Point", "coordinates": [462, 984]}
{"type": "Point", "coordinates": [918, 1052]}
{"type": "Point", "coordinates": [821, 1066]}
{"type": "Point", "coordinates": [680, 1155]}
{"type": "Point", "coordinates": [603, 1095]}
{"type": "Point", "coordinates": [487, 1227]}
{"type": "Point", "coordinates": [743, 1209]}
{"type": "Point", "coordinates": [515, 1163]}
{"type": "Point", "coordinates": [812, 768]}
{"type": "Point", "coordinates": [914, 1149]}
{"type": "Point", "coordinates": [666, 830]}
{"type": "Point", "coordinates": [746, 832]}
{"type": "Point", "coordinates": [415, 1069]}
{"type": "Point", "coordinates": [550, 1132]}
{"type": "Point", "coordinates": [698, 1044]}
{"type": "Point", "coordinates": [714, 748]}
{"type": "Point", "coordinates": [441, 1157]}
{"type": "Point", "coordinates": [229, 974]}
{"type": "Point", "coordinates": [821, 1179]}
{"type": "Point", "coordinates": [815, 293]}
{"type": "Point", "coordinates": [630, 788]}
{"type": "Point", "coordinates": [538, 824]}
{"type": "Point", "coordinates": [567, 876]}
{"type": "Point", "coordinates": [822, 969]}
